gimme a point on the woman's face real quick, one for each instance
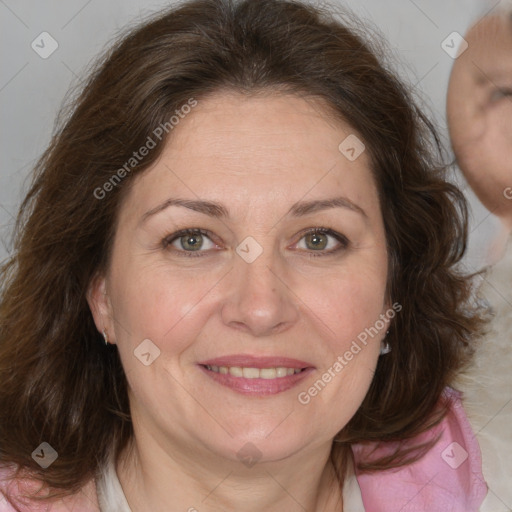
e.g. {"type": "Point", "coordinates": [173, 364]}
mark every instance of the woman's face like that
{"type": "Point", "coordinates": [254, 290]}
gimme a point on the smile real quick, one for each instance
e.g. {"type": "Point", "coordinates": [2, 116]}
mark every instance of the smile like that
{"type": "Point", "coordinates": [248, 380]}
{"type": "Point", "coordinates": [254, 373]}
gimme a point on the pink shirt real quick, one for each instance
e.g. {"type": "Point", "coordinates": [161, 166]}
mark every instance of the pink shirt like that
{"type": "Point", "coordinates": [447, 479]}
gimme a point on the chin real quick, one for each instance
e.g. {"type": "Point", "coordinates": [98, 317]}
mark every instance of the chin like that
{"type": "Point", "coordinates": [250, 448]}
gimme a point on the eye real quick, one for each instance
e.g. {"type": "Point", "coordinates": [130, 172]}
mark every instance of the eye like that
{"type": "Point", "coordinates": [320, 239]}
{"type": "Point", "coordinates": [189, 241]}
{"type": "Point", "coordinates": [500, 93]}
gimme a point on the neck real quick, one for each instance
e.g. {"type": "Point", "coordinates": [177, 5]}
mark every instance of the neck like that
{"type": "Point", "coordinates": [156, 478]}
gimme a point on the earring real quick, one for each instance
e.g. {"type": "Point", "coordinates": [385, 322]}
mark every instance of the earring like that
{"type": "Point", "coordinates": [105, 336]}
{"type": "Point", "coordinates": [385, 347]}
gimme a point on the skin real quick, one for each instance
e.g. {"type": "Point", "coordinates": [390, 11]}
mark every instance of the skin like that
{"type": "Point", "coordinates": [257, 156]}
{"type": "Point", "coordinates": [479, 113]}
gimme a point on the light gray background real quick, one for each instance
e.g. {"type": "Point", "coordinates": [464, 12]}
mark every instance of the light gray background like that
{"type": "Point", "coordinates": [32, 88]}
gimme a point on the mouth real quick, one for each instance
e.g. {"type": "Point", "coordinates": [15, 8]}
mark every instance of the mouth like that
{"type": "Point", "coordinates": [254, 373]}
{"type": "Point", "coordinates": [256, 376]}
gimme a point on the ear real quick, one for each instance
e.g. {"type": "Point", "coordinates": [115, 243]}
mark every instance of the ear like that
{"type": "Point", "coordinates": [100, 306]}
{"type": "Point", "coordinates": [393, 309]}
{"type": "Point", "coordinates": [389, 312]}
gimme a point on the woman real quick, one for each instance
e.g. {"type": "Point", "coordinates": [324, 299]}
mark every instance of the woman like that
{"type": "Point", "coordinates": [235, 285]}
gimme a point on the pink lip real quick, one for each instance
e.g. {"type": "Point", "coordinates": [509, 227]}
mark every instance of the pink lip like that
{"type": "Point", "coordinates": [247, 361]}
{"type": "Point", "coordinates": [257, 387]}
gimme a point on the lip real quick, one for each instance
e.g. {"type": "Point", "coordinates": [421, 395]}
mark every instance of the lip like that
{"type": "Point", "coordinates": [248, 361]}
{"type": "Point", "coordinates": [257, 387]}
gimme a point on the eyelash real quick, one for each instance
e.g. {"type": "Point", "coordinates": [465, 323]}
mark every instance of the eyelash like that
{"type": "Point", "coordinates": [343, 240]}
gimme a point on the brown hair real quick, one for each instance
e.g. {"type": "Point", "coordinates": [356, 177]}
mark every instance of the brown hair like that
{"type": "Point", "coordinates": [59, 383]}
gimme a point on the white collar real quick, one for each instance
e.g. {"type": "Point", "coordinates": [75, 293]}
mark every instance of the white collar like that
{"type": "Point", "coordinates": [352, 499]}
{"type": "Point", "coordinates": [111, 497]}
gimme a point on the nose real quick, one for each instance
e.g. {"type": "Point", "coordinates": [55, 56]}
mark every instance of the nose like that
{"type": "Point", "coordinates": [259, 301]}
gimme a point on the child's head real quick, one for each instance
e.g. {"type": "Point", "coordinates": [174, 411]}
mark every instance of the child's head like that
{"type": "Point", "coordinates": [479, 109]}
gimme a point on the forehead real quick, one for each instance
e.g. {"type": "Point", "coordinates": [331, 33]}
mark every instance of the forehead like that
{"type": "Point", "coordinates": [250, 150]}
{"type": "Point", "coordinates": [277, 128]}
{"type": "Point", "coordinates": [490, 46]}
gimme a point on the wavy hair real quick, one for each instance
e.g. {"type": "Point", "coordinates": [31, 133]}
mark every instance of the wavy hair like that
{"type": "Point", "coordinates": [59, 382]}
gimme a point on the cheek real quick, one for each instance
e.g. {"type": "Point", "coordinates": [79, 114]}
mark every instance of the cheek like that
{"type": "Point", "coordinates": [494, 154]}
{"type": "Point", "coordinates": [498, 141]}
{"type": "Point", "coordinates": [350, 308]}
{"type": "Point", "coordinates": [169, 309]}
{"type": "Point", "coordinates": [351, 300]}
{"type": "Point", "coordinates": [158, 304]}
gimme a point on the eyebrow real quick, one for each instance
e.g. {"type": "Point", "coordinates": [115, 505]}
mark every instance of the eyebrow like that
{"type": "Point", "coordinates": [486, 76]}
{"type": "Point", "coordinates": [217, 210]}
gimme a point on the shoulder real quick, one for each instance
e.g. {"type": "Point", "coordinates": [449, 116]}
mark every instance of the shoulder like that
{"type": "Point", "coordinates": [448, 477]}
{"type": "Point", "coordinates": [14, 492]}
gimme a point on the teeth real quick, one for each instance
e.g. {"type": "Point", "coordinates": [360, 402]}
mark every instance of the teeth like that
{"type": "Point", "coordinates": [254, 373]}
{"type": "Point", "coordinates": [281, 372]}
{"type": "Point", "coordinates": [268, 373]}
{"type": "Point", "coordinates": [250, 373]}
{"type": "Point", "coordinates": [236, 371]}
